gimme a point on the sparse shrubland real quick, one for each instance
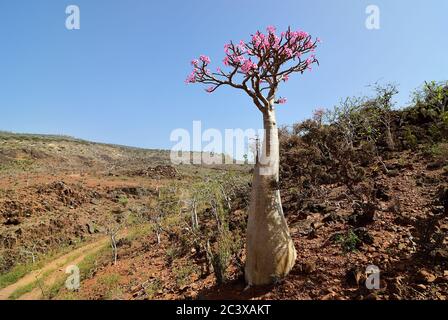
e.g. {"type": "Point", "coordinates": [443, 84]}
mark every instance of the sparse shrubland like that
{"type": "Point", "coordinates": [360, 132]}
{"type": "Point", "coordinates": [211, 225]}
{"type": "Point", "coordinates": [364, 183]}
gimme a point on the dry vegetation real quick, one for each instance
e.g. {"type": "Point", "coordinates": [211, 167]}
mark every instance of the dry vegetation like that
{"type": "Point", "coordinates": [362, 184]}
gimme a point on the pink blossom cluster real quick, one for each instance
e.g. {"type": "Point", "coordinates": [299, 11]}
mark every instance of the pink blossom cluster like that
{"type": "Point", "coordinates": [191, 78]}
{"type": "Point", "coordinates": [205, 59]}
{"type": "Point", "coordinates": [318, 114]}
{"type": "Point", "coordinates": [291, 43]}
{"type": "Point", "coordinates": [248, 66]}
{"type": "Point", "coordinates": [239, 60]}
{"type": "Point", "coordinates": [198, 68]}
{"type": "Point", "coordinates": [282, 101]}
{"type": "Point", "coordinates": [260, 60]}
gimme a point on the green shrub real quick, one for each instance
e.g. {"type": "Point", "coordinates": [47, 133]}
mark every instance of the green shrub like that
{"type": "Point", "coordinates": [123, 200]}
{"type": "Point", "coordinates": [172, 253]}
{"type": "Point", "coordinates": [409, 138]}
{"type": "Point", "coordinates": [109, 285]}
{"type": "Point", "coordinates": [445, 118]}
{"type": "Point", "coordinates": [349, 241]}
{"type": "Point", "coordinates": [183, 274]}
{"type": "Point", "coordinates": [439, 151]}
{"type": "Point", "coordinates": [152, 289]}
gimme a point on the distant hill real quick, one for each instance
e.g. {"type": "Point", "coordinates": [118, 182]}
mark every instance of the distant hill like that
{"type": "Point", "coordinates": [37, 152]}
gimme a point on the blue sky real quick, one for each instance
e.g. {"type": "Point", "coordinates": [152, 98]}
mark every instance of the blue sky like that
{"type": "Point", "coordinates": [120, 78]}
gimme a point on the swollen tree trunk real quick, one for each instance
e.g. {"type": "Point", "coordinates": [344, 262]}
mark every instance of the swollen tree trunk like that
{"type": "Point", "coordinates": [270, 249]}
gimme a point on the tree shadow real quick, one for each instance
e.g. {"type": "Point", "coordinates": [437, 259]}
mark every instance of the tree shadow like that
{"type": "Point", "coordinates": [233, 290]}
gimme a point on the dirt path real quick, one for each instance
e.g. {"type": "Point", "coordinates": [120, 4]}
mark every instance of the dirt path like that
{"type": "Point", "coordinates": [52, 271]}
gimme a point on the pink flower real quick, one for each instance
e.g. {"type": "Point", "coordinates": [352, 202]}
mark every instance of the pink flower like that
{"type": "Point", "coordinates": [308, 45]}
{"type": "Point", "coordinates": [276, 44]}
{"type": "Point", "coordinates": [318, 114]}
{"type": "Point", "coordinates": [238, 59]}
{"type": "Point", "coordinates": [262, 53]}
{"type": "Point", "coordinates": [260, 40]}
{"type": "Point", "coordinates": [282, 101]}
{"type": "Point", "coordinates": [227, 48]}
{"type": "Point", "coordinates": [248, 66]}
{"type": "Point", "coordinates": [242, 46]}
{"type": "Point", "coordinates": [288, 52]}
{"type": "Point", "coordinates": [271, 29]}
{"type": "Point", "coordinates": [205, 59]}
{"type": "Point", "coordinates": [191, 78]}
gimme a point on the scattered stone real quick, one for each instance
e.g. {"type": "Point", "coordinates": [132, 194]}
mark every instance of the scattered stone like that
{"type": "Point", "coordinates": [440, 255]}
{"type": "Point", "coordinates": [372, 296]}
{"type": "Point", "coordinates": [308, 267]}
{"type": "Point", "coordinates": [442, 194]}
{"type": "Point", "coordinates": [381, 192]}
{"type": "Point", "coordinates": [94, 201]}
{"type": "Point", "coordinates": [318, 208]}
{"type": "Point", "coordinates": [421, 287]}
{"type": "Point", "coordinates": [363, 214]}
{"type": "Point", "coordinates": [158, 172]}
{"type": "Point", "coordinates": [364, 235]}
{"type": "Point", "coordinates": [91, 228]}
{"type": "Point", "coordinates": [317, 225]}
{"type": "Point", "coordinates": [438, 210]}
{"type": "Point", "coordinates": [12, 222]}
{"type": "Point", "coordinates": [436, 165]}
{"type": "Point", "coordinates": [124, 242]}
{"type": "Point", "coordinates": [332, 217]}
{"type": "Point", "coordinates": [425, 277]}
{"type": "Point", "coordinates": [355, 276]}
{"type": "Point", "coordinates": [393, 173]}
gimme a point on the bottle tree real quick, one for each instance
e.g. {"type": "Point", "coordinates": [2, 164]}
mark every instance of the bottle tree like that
{"type": "Point", "coordinates": [258, 67]}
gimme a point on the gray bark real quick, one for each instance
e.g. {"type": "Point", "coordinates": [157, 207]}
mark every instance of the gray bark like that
{"type": "Point", "coordinates": [270, 250]}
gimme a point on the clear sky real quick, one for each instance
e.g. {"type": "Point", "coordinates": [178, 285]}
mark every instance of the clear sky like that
{"type": "Point", "coordinates": [120, 78]}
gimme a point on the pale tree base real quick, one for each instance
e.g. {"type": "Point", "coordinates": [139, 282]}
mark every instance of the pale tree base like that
{"type": "Point", "coordinates": [270, 250]}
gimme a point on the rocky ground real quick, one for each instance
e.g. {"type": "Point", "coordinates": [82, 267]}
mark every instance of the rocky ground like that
{"type": "Point", "coordinates": [52, 201]}
{"type": "Point", "coordinates": [404, 234]}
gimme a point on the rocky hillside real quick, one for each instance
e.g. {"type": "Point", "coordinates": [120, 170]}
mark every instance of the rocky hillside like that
{"type": "Point", "coordinates": [19, 152]}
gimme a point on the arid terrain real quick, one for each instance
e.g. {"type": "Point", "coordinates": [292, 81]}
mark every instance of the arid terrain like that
{"type": "Point", "coordinates": [179, 231]}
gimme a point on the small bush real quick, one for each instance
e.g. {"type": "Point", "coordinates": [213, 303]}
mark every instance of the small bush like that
{"type": "Point", "coordinates": [445, 118]}
{"type": "Point", "coordinates": [152, 289]}
{"type": "Point", "coordinates": [110, 285]}
{"type": "Point", "coordinates": [123, 200]}
{"type": "Point", "coordinates": [183, 274]}
{"type": "Point", "coordinates": [410, 139]}
{"type": "Point", "coordinates": [172, 253]}
{"type": "Point", "coordinates": [439, 151]}
{"type": "Point", "coordinates": [349, 241]}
